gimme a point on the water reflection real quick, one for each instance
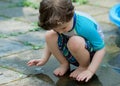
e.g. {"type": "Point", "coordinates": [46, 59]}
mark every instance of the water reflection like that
{"type": "Point", "coordinates": [115, 63]}
{"type": "Point", "coordinates": [117, 41]}
{"type": "Point", "coordinates": [45, 78]}
{"type": "Point", "coordinates": [67, 81]}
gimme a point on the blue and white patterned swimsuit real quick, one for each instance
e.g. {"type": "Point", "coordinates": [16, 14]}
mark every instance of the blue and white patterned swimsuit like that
{"type": "Point", "coordinates": [87, 28]}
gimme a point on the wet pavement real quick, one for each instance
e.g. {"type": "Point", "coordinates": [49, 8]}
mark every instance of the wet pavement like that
{"type": "Point", "coordinates": [20, 41]}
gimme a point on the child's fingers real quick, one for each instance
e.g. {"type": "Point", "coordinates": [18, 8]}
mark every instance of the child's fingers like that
{"type": "Point", "coordinates": [39, 64]}
{"type": "Point", "coordinates": [32, 62]}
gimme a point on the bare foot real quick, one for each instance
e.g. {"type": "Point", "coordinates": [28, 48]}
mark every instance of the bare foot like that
{"type": "Point", "coordinates": [60, 71]}
{"type": "Point", "coordinates": [76, 72]}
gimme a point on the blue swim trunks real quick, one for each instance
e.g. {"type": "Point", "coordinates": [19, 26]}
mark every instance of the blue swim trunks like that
{"type": "Point", "coordinates": [62, 45]}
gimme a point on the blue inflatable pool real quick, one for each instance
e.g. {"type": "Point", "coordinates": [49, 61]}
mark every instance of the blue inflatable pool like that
{"type": "Point", "coordinates": [114, 15]}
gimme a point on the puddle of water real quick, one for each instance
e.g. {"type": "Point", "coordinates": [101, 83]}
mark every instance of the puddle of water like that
{"type": "Point", "coordinates": [118, 38]}
{"type": "Point", "coordinates": [67, 81]}
{"type": "Point", "coordinates": [116, 69]}
{"type": "Point", "coordinates": [115, 63]}
{"type": "Point", "coordinates": [112, 57]}
{"type": "Point", "coordinates": [48, 77]}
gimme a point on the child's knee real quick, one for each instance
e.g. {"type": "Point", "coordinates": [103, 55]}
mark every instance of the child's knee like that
{"type": "Point", "coordinates": [75, 43]}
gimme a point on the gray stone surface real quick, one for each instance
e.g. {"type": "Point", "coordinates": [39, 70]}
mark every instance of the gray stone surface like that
{"type": "Point", "coordinates": [103, 18]}
{"type": "Point", "coordinates": [32, 81]}
{"type": "Point", "coordinates": [28, 19]}
{"type": "Point", "coordinates": [108, 77]}
{"type": "Point", "coordinates": [8, 47]}
{"type": "Point", "coordinates": [12, 26]}
{"type": "Point", "coordinates": [115, 62]}
{"type": "Point", "coordinates": [11, 1]}
{"type": "Point", "coordinates": [36, 38]}
{"type": "Point", "coordinates": [9, 76]}
{"type": "Point", "coordinates": [2, 18]}
{"type": "Point", "coordinates": [91, 10]}
{"type": "Point", "coordinates": [12, 12]}
{"type": "Point", "coordinates": [108, 27]}
{"type": "Point", "coordinates": [18, 62]}
{"type": "Point", "coordinates": [18, 11]}
{"type": "Point", "coordinates": [4, 5]}
{"type": "Point", "coordinates": [14, 54]}
{"type": "Point", "coordinates": [28, 11]}
{"type": "Point", "coordinates": [104, 3]}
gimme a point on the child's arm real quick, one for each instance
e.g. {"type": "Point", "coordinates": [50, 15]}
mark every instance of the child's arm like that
{"type": "Point", "coordinates": [97, 58]}
{"type": "Point", "coordinates": [43, 60]}
{"type": "Point", "coordinates": [46, 54]}
{"type": "Point", "coordinates": [90, 71]}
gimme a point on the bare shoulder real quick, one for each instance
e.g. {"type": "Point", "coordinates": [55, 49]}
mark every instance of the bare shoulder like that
{"type": "Point", "coordinates": [51, 33]}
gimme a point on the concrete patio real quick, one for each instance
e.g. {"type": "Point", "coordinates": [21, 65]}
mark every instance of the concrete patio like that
{"type": "Point", "coordinates": [20, 42]}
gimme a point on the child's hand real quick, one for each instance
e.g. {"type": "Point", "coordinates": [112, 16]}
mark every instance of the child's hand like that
{"type": "Point", "coordinates": [36, 62]}
{"type": "Point", "coordinates": [85, 75]}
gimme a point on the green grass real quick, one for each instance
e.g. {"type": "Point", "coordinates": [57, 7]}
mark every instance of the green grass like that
{"type": "Point", "coordinates": [80, 1]}
{"type": "Point", "coordinates": [33, 29]}
{"type": "Point", "coordinates": [34, 47]}
{"type": "Point", "coordinates": [36, 27]}
{"type": "Point", "coordinates": [28, 3]}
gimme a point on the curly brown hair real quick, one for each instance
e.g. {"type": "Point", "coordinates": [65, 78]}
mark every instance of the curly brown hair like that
{"type": "Point", "coordinates": [54, 13]}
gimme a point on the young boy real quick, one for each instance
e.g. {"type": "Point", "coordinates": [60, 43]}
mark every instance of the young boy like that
{"type": "Point", "coordinates": [73, 38]}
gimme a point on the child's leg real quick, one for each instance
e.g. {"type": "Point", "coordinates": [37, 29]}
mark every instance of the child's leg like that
{"type": "Point", "coordinates": [51, 40]}
{"type": "Point", "coordinates": [76, 46]}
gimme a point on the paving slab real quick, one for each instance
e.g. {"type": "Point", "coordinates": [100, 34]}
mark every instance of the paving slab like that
{"type": "Point", "coordinates": [18, 1]}
{"type": "Point", "coordinates": [103, 18]}
{"type": "Point", "coordinates": [43, 75]}
{"type": "Point", "coordinates": [18, 62]}
{"type": "Point", "coordinates": [30, 15]}
{"type": "Point", "coordinates": [2, 18]}
{"type": "Point", "coordinates": [104, 3]}
{"type": "Point", "coordinates": [9, 76]}
{"type": "Point", "coordinates": [32, 81]}
{"type": "Point", "coordinates": [4, 5]}
{"type": "Point", "coordinates": [115, 62]}
{"type": "Point", "coordinates": [108, 27]}
{"type": "Point", "coordinates": [27, 11]}
{"type": "Point", "coordinates": [8, 47]}
{"type": "Point", "coordinates": [91, 10]}
{"type": "Point", "coordinates": [11, 1]}
{"type": "Point", "coordinates": [28, 19]}
{"type": "Point", "coordinates": [12, 12]}
{"type": "Point", "coordinates": [108, 77]}
{"type": "Point", "coordinates": [18, 11]}
{"type": "Point", "coordinates": [111, 37]}
{"type": "Point", "coordinates": [13, 26]}
{"type": "Point", "coordinates": [35, 38]}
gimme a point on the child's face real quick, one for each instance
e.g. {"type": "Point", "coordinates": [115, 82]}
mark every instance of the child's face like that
{"type": "Point", "coordinates": [64, 27]}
